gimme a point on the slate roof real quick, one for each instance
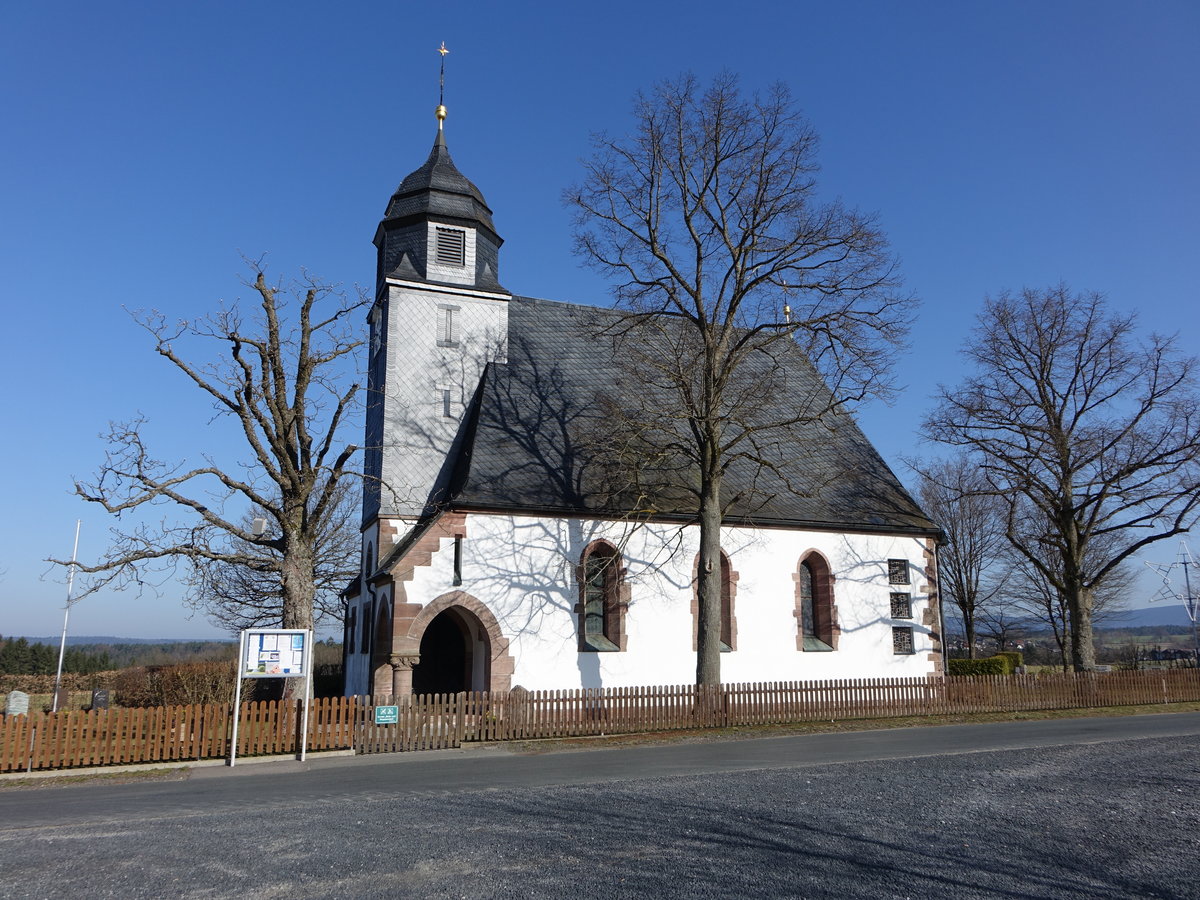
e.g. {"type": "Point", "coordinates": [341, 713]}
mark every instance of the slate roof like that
{"type": "Point", "coordinates": [536, 436]}
{"type": "Point", "coordinates": [437, 188]}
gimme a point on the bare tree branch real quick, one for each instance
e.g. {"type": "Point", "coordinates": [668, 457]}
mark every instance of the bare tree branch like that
{"type": "Point", "coordinates": [1089, 435]}
{"type": "Point", "coordinates": [278, 377]}
{"type": "Point", "coordinates": [733, 274]}
{"type": "Point", "coordinates": [972, 559]}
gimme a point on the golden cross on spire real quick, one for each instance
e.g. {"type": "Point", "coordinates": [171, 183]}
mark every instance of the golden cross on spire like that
{"type": "Point", "coordinates": [440, 112]}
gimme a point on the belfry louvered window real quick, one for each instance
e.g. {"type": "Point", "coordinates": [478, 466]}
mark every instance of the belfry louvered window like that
{"type": "Point", "coordinates": [451, 247]}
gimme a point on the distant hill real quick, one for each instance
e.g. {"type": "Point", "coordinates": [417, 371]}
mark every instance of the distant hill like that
{"type": "Point", "coordinates": [1151, 616]}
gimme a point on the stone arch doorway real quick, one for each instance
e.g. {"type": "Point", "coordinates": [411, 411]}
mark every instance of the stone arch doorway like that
{"type": "Point", "coordinates": [455, 652]}
{"type": "Point", "coordinates": [459, 647]}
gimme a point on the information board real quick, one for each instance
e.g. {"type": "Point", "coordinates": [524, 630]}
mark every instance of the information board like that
{"type": "Point", "coordinates": [387, 715]}
{"type": "Point", "coordinates": [275, 653]}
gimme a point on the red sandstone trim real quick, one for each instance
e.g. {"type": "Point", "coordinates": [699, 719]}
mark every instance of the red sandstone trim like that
{"type": "Point", "coordinates": [732, 591]}
{"type": "Point", "coordinates": [930, 619]}
{"type": "Point", "coordinates": [823, 582]}
{"type": "Point", "coordinates": [614, 613]}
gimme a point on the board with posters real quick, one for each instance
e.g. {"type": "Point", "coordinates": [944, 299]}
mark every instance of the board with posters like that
{"type": "Point", "coordinates": [275, 653]}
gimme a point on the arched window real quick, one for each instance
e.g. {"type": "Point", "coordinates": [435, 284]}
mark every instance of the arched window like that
{"type": "Point", "coordinates": [817, 628]}
{"type": "Point", "coordinates": [603, 598]}
{"type": "Point", "coordinates": [729, 579]}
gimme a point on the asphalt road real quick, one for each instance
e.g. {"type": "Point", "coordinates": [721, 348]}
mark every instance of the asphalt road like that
{"type": "Point", "coordinates": [1088, 808]}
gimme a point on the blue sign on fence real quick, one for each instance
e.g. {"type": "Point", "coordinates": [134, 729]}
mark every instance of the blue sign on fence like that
{"type": "Point", "coordinates": [387, 715]}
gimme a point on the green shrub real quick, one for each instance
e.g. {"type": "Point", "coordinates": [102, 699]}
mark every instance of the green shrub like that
{"type": "Point", "coordinates": [1015, 657]}
{"type": "Point", "coordinates": [993, 665]}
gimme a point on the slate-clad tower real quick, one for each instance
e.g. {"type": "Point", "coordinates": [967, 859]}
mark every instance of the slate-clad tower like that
{"type": "Point", "coordinates": [440, 316]}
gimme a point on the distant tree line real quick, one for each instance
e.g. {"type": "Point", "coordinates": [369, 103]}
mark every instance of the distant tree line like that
{"type": "Point", "coordinates": [19, 657]}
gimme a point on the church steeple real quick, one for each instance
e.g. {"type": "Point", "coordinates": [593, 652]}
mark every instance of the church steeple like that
{"type": "Point", "coordinates": [437, 226]}
{"type": "Point", "coordinates": [440, 318]}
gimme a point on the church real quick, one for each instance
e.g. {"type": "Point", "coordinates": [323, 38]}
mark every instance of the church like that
{"type": "Point", "coordinates": [493, 556]}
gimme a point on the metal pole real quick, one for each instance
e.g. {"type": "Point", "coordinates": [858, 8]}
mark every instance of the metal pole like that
{"type": "Point", "coordinates": [62, 645]}
{"type": "Point", "coordinates": [308, 667]}
{"type": "Point", "coordinates": [237, 699]}
{"type": "Point", "coordinates": [1191, 606]}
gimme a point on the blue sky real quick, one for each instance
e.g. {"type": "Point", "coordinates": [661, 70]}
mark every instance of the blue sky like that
{"type": "Point", "coordinates": [146, 145]}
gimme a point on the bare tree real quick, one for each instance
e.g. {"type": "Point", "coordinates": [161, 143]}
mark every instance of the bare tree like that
{"type": "Point", "coordinates": [1094, 432]}
{"type": "Point", "coordinates": [247, 592]}
{"type": "Point", "coordinates": [732, 271]}
{"type": "Point", "coordinates": [1029, 590]}
{"type": "Point", "coordinates": [972, 558]}
{"type": "Point", "coordinates": [1005, 623]}
{"type": "Point", "coordinates": [283, 384]}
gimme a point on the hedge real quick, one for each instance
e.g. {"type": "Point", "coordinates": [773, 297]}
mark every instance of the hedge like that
{"type": "Point", "coordinates": [1015, 656]}
{"type": "Point", "coordinates": [992, 665]}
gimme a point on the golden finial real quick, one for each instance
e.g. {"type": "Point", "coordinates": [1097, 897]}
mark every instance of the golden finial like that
{"type": "Point", "coordinates": [440, 112]}
{"type": "Point", "coordinates": [787, 314]}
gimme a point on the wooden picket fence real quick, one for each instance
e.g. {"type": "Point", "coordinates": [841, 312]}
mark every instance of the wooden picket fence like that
{"type": "Point", "coordinates": [109, 737]}
{"type": "Point", "coordinates": [445, 720]}
{"type": "Point", "coordinates": [103, 737]}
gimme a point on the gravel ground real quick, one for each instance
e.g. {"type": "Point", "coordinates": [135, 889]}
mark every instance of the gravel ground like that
{"type": "Point", "coordinates": [1107, 820]}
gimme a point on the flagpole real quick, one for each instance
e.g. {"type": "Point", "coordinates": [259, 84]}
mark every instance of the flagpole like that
{"type": "Point", "coordinates": [62, 647]}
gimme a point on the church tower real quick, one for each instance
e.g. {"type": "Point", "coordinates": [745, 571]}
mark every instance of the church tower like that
{"type": "Point", "coordinates": [440, 316]}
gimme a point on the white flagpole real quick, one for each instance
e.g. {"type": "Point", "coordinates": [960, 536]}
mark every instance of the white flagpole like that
{"type": "Point", "coordinates": [62, 646]}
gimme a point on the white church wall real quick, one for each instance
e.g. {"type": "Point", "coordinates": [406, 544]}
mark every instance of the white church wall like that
{"type": "Point", "coordinates": [524, 570]}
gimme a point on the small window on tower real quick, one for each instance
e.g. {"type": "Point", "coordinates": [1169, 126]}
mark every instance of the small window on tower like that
{"type": "Point", "coordinates": [451, 246]}
{"type": "Point", "coordinates": [447, 404]}
{"type": "Point", "coordinates": [447, 326]}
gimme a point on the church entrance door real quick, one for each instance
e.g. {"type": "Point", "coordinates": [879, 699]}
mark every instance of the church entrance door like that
{"type": "Point", "coordinates": [454, 654]}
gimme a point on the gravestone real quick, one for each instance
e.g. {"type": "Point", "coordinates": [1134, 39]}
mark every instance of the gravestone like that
{"type": "Point", "coordinates": [17, 703]}
{"type": "Point", "coordinates": [100, 699]}
{"type": "Point", "coordinates": [63, 697]}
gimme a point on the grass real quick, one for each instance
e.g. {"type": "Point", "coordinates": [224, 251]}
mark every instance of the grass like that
{"type": "Point", "coordinates": [75, 700]}
{"type": "Point", "coordinates": [117, 776]}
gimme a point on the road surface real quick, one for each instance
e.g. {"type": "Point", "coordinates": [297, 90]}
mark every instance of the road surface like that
{"type": "Point", "coordinates": [1087, 808]}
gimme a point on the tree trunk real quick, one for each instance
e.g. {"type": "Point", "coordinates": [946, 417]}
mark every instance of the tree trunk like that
{"type": "Point", "coordinates": [708, 586]}
{"type": "Point", "coordinates": [299, 591]}
{"type": "Point", "coordinates": [969, 629]}
{"type": "Point", "coordinates": [1083, 651]}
